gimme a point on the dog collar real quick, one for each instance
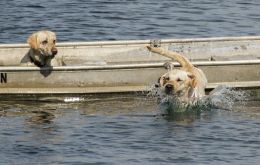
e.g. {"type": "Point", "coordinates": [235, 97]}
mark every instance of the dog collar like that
{"type": "Point", "coordinates": [36, 62]}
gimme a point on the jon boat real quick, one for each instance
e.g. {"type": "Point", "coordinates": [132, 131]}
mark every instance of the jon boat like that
{"type": "Point", "coordinates": [127, 66]}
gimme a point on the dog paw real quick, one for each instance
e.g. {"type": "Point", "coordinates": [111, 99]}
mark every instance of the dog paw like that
{"type": "Point", "coordinates": [169, 66]}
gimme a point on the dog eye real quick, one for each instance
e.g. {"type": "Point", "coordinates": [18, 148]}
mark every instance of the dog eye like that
{"type": "Point", "coordinates": [54, 41]}
{"type": "Point", "coordinates": [178, 80]}
{"type": "Point", "coordinates": [44, 42]}
{"type": "Point", "coordinates": [166, 78]}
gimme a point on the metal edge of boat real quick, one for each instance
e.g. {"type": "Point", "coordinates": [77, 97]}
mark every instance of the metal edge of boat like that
{"type": "Point", "coordinates": [128, 66]}
{"type": "Point", "coordinates": [130, 42]}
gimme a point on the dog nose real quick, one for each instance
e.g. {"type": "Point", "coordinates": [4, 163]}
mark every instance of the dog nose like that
{"type": "Point", "coordinates": [54, 51]}
{"type": "Point", "coordinates": [168, 88]}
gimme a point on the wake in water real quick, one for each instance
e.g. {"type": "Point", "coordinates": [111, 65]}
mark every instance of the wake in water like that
{"type": "Point", "coordinates": [222, 97]}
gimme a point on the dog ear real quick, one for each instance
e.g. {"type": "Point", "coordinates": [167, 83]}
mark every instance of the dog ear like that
{"type": "Point", "coordinates": [161, 81]}
{"type": "Point", "coordinates": [193, 80]}
{"type": "Point", "coordinates": [191, 76]}
{"type": "Point", "coordinates": [32, 41]}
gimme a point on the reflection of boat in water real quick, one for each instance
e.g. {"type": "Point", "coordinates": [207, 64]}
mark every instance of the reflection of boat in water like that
{"type": "Point", "coordinates": [127, 66]}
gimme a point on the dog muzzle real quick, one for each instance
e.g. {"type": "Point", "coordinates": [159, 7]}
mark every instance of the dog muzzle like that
{"type": "Point", "coordinates": [169, 89]}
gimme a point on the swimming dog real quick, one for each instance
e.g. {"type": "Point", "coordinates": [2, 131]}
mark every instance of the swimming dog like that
{"type": "Point", "coordinates": [187, 83]}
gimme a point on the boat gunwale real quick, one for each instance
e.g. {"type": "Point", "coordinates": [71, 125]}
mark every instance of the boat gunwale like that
{"type": "Point", "coordinates": [134, 42]}
{"type": "Point", "coordinates": [127, 66]}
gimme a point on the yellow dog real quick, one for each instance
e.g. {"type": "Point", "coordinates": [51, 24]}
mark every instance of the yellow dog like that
{"type": "Point", "coordinates": [42, 50]}
{"type": "Point", "coordinates": [186, 83]}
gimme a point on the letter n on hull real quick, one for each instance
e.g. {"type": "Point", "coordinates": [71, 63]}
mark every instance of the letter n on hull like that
{"type": "Point", "coordinates": [3, 77]}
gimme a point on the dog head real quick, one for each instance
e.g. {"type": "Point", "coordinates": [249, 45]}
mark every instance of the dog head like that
{"type": "Point", "coordinates": [43, 42]}
{"type": "Point", "coordinates": [176, 82]}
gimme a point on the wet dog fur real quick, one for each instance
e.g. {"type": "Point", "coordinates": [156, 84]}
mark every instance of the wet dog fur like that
{"type": "Point", "coordinates": [187, 83]}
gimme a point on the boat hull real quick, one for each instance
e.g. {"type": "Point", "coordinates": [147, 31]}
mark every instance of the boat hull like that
{"type": "Point", "coordinates": [127, 66]}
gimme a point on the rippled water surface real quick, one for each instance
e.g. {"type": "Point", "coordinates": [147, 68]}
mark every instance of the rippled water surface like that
{"type": "Point", "coordinates": [77, 20]}
{"type": "Point", "coordinates": [125, 129]}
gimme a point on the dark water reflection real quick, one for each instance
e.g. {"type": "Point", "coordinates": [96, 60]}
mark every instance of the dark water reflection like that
{"type": "Point", "coordinates": [125, 131]}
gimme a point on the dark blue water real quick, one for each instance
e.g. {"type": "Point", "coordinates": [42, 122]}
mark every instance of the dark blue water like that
{"type": "Point", "coordinates": [79, 20]}
{"type": "Point", "coordinates": [124, 130]}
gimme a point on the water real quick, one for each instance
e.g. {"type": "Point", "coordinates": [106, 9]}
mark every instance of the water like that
{"type": "Point", "coordinates": [124, 129]}
{"type": "Point", "coordinates": [222, 97]}
{"type": "Point", "coordinates": [91, 20]}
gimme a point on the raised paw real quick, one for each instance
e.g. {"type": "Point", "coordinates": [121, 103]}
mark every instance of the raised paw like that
{"type": "Point", "coordinates": [169, 66]}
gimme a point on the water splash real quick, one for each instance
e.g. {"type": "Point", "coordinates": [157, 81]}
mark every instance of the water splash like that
{"type": "Point", "coordinates": [222, 97]}
{"type": "Point", "coordinates": [171, 105]}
